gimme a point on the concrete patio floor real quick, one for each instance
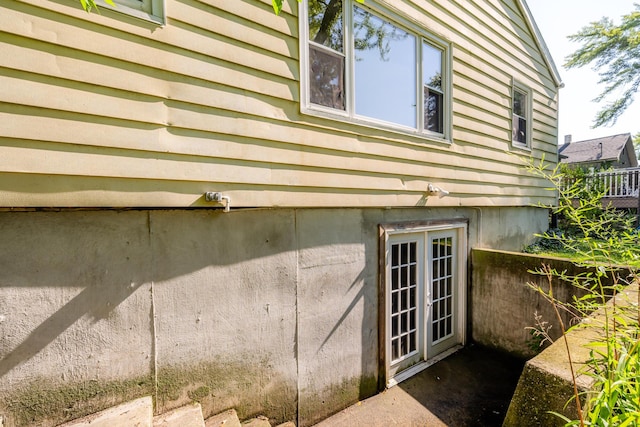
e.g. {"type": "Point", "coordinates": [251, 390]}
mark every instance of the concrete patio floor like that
{"type": "Point", "coordinates": [472, 387]}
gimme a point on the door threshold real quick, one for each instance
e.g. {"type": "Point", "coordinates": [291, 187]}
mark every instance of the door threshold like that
{"type": "Point", "coordinates": [419, 367]}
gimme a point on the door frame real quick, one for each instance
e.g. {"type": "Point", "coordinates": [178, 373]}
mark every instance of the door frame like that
{"type": "Point", "coordinates": [460, 226]}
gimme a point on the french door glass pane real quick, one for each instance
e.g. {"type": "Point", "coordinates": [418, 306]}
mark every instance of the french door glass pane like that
{"type": "Point", "coordinates": [441, 289]}
{"type": "Point", "coordinates": [385, 70]}
{"type": "Point", "coordinates": [404, 303]}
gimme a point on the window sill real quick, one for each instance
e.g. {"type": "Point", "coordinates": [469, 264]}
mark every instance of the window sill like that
{"type": "Point", "coordinates": [325, 113]}
{"type": "Point", "coordinates": [521, 146]}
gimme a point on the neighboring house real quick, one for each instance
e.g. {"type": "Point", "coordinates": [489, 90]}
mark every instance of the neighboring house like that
{"type": "Point", "coordinates": [616, 151]}
{"type": "Point", "coordinates": [360, 152]}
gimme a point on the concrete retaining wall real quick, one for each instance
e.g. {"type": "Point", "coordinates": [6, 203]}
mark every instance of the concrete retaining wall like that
{"type": "Point", "coordinates": [502, 305]}
{"type": "Point", "coordinates": [546, 383]}
{"type": "Point", "coordinates": [266, 311]}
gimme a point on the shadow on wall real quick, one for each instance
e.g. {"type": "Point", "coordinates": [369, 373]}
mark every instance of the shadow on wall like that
{"type": "Point", "coordinates": [91, 267]}
{"type": "Point", "coordinates": [92, 295]}
{"type": "Point", "coordinates": [337, 303]}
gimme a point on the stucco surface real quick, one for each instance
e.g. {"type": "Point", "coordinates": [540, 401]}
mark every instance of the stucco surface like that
{"type": "Point", "coordinates": [75, 300]}
{"type": "Point", "coordinates": [225, 304]}
{"type": "Point", "coordinates": [337, 340]}
{"type": "Point", "coordinates": [223, 282]}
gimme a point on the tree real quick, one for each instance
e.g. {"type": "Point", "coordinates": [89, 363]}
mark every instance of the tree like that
{"type": "Point", "coordinates": [614, 51]}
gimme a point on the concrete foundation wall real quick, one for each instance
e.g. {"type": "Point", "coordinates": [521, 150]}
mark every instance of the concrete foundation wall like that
{"type": "Point", "coordinates": [270, 312]}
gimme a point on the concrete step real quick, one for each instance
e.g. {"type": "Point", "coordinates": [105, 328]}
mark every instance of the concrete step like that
{"type": "Point", "coordinates": [136, 413]}
{"type": "Point", "coordinates": [225, 419]}
{"type": "Point", "coordinates": [139, 413]}
{"type": "Point", "coordinates": [259, 421]}
{"type": "Point", "coordinates": [185, 416]}
{"type": "Point", "coordinates": [230, 419]}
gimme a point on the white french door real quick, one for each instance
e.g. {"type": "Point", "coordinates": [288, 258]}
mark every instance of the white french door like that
{"type": "Point", "coordinates": [406, 340]}
{"type": "Point", "coordinates": [425, 296]}
{"type": "Point", "coordinates": [443, 308]}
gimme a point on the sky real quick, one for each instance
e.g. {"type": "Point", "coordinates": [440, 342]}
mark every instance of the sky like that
{"type": "Point", "coordinates": [557, 19]}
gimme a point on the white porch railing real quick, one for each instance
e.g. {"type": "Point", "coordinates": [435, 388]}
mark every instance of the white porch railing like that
{"type": "Point", "coordinates": [617, 183]}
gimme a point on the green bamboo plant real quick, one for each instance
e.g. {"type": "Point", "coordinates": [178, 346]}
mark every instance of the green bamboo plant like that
{"type": "Point", "coordinates": [601, 239]}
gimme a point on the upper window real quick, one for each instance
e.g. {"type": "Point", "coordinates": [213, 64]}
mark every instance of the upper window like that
{"type": "Point", "coordinates": [363, 67]}
{"type": "Point", "coordinates": [150, 10]}
{"type": "Point", "coordinates": [521, 121]}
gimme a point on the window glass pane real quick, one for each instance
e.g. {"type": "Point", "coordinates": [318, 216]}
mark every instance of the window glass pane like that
{"type": "Point", "coordinates": [519, 129]}
{"type": "Point", "coordinates": [519, 103]}
{"type": "Point", "coordinates": [412, 342]}
{"type": "Point", "coordinates": [432, 81]}
{"type": "Point", "coordinates": [433, 105]}
{"type": "Point", "coordinates": [404, 251]}
{"type": "Point", "coordinates": [326, 23]}
{"type": "Point", "coordinates": [404, 277]}
{"type": "Point", "coordinates": [395, 250]}
{"type": "Point", "coordinates": [385, 70]}
{"type": "Point", "coordinates": [326, 78]}
{"type": "Point", "coordinates": [403, 345]}
{"type": "Point", "coordinates": [432, 66]}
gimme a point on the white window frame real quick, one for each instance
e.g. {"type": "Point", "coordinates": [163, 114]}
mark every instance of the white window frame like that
{"type": "Point", "coordinates": [148, 10]}
{"type": "Point", "coordinates": [528, 92]}
{"type": "Point", "coordinates": [349, 115]}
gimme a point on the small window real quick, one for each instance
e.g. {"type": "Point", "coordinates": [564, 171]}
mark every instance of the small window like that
{"type": "Point", "coordinates": [363, 67]}
{"type": "Point", "coordinates": [521, 120]}
{"type": "Point", "coordinates": [149, 10]}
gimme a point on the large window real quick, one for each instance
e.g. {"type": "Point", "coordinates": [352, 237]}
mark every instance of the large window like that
{"type": "Point", "coordinates": [362, 66]}
{"type": "Point", "coordinates": [521, 120]}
